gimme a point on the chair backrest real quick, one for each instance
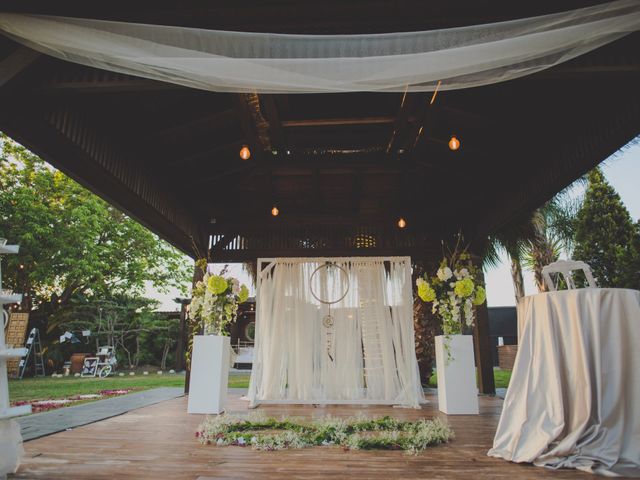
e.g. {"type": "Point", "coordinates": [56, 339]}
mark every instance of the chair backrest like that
{"type": "Point", "coordinates": [565, 268]}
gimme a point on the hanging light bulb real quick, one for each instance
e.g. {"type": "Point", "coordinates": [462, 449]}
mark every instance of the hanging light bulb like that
{"type": "Point", "coordinates": [245, 153]}
{"type": "Point", "coordinates": [402, 223]}
{"type": "Point", "coordinates": [454, 143]}
{"type": "Point", "coordinates": [275, 211]}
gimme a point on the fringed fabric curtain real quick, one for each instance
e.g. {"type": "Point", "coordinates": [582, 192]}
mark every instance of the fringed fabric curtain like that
{"type": "Point", "coordinates": [366, 356]}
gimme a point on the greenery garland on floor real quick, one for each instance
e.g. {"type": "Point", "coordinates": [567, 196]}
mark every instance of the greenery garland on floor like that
{"type": "Point", "coordinates": [267, 433]}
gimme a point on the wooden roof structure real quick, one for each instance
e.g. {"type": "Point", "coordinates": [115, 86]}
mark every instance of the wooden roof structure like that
{"type": "Point", "coordinates": [341, 168]}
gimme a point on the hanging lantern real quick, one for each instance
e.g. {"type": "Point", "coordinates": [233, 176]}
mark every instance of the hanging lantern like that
{"type": "Point", "coordinates": [454, 143]}
{"type": "Point", "coordinates": [275, 211]}
{"type": "Point", "coordinates": [402, 223]}
{"type": "Point", "coordinates": [245, 153]}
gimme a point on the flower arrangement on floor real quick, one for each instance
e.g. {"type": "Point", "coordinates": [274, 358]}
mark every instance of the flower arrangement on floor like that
{"type": "Point", "coordinates": [215, 301]}
{"type": "Point", "coordinates": [267, 433]}
{"type": "Point", "coordinates": [454, 290]}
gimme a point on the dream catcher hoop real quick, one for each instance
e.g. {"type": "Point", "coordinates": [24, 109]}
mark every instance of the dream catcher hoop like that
{"type": "Point", "coordinates": [327, 320]}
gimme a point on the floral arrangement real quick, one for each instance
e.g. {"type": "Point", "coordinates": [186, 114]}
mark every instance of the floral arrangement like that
{"type": "Point", "coordinates": [453, 291]}
{"type": "Point", "coordinates": [357, 433]}
{"type": "Point", "coordinates": [215, 301]}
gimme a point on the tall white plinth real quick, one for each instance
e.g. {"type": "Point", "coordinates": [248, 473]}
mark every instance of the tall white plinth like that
{"type": "Point", "coordinates": [457, 390]}
{"type": "Point", "coordinates": [209, 374]}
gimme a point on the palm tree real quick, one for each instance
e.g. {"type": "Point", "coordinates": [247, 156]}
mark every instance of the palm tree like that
{"type": "Point", "coordinates": [554, 233]}
{"type": "Point", "coordinates": [514, 238]}
{"type": "Point", "coordinates": [535, 239]}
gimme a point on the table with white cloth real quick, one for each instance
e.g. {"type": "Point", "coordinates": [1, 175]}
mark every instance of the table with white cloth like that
{"type": "Point", "coordinates": [574, 396]}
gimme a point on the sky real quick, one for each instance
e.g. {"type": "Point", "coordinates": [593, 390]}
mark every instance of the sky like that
{"type": "Point", "coordinates": [622, 170]}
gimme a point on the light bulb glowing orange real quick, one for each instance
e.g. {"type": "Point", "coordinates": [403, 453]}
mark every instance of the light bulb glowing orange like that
{"type": "Point", "coordinates": [275, 211]}
{"type": "Point", "coordinates": [245, 153]}
{"type": "Point", "coordinates": [402, 223]}
{"type": "Point", "coordinates": [454, 143]}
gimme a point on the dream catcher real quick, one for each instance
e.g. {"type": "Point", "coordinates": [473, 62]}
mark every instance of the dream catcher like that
{"type": "Point", "coordinates": [333, 271]}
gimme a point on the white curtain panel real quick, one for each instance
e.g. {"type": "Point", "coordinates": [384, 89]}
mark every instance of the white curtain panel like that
{"type": "Point", "coordinates": [275, 63]}
{"type": "Point", "coordinates": [368, 356]}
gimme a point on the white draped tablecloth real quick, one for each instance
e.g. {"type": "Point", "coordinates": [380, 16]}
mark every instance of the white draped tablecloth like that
{"type": "Point", "coordinates": [574, 396]}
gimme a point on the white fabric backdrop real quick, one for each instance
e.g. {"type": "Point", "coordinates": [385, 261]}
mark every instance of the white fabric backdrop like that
{"type": "Point", "coordinates": [373, 342]}
{"type": "Point", "coordinates": [574, 396]}
{"type": "Point", "coordinates": [273, 63]}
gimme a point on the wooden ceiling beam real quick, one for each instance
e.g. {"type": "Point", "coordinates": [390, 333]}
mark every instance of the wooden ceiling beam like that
{"type": "Point", "coordinates": [331, 122]}
{"type": "Point", "coordinates": [402, 119]}
{"type": "Point", "coordinates": [17, 61]}
{"type": "Point", "coordinates": [278, 139]}
{"type": "Point", "coordinates": [236, 221]}
{"type": "Point", "coordinates": [254, 125]}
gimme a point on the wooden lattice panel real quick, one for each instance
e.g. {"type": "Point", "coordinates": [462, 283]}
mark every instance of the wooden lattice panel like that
{"type": "Point", "coordinates": [15, 337]}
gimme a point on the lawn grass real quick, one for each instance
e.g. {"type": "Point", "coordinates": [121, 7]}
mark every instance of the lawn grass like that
{"type": "Point", "coordinates": [57, 388]}
{"type": "Point", "coordinates": [501, 377]}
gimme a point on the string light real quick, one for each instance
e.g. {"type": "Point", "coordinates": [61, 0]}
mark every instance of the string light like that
{"type": "Point", "coordinates": [245, 153]}
{"type": "Point", "coordinates": [402, 223]}
{"type": "Point", "coordinates": [454, 143]}
{"type": "Point", "coordinates": [275, 211]}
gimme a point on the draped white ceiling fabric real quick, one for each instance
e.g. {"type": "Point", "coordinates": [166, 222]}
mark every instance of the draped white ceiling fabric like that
{"type": "Point", "coordinates": [367, 354]}
{"type": "Point", "coordinates": [276, 63]}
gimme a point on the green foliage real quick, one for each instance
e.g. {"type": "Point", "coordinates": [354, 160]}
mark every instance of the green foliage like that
{"type": "Point", "coordinates": [355, 433]}
{"type": "Point", "coordinates": [606, 237]}
{"type": "Point", "coordinates": [72, 242]}
{"type": "Point", "coordinates": [79, 255]}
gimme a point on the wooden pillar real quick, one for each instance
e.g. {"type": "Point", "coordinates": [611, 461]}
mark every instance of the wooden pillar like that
{"type": "Point", "coordinates": [182, 337]}
{"type": "Point", "coordinates": [482, 348]}
{"type": "Point", "coordinates": [198, 275]}
{"type": "Point", "coordinates": [482, 343]}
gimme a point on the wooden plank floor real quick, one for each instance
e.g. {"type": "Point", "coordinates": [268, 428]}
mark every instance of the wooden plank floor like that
{"type": "Point", "coordinates": [158, 442]}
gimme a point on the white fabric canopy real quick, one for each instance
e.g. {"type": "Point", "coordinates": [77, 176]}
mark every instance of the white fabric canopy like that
{"type": "Point", "coordinates": [574, 396]}
{"type": "Point", "coordinates": [274, 63]}
{"type": "Point", "coordinates": [368, 356]}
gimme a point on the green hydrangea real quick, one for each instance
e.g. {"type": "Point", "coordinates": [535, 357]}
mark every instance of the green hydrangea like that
{"type": "Point", "coordinates": [464, 287]}
{"type": "Point", "coordinates": [481, 296]}
{"type": "Point", "coordinates": [426, 292]}
{"type": "Point", "coordinates": [217, 285]}
{"type": "Point", "coordinates": [243, 296]}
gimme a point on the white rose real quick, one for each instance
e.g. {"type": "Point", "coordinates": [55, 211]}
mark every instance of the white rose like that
{"type": "Point", "coordinates": [444, 273]}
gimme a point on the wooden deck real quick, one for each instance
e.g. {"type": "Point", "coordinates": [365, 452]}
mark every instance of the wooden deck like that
{"type": "Point", "coordinates": [158, 442]}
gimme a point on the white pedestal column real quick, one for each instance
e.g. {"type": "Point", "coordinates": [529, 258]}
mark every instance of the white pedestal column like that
{"type": "Point", "coordinates": [457, 390]}
{"type": "Point", "coordinates": [209, 374]}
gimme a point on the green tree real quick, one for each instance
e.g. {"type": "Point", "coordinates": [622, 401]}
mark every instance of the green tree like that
{"type": "Point", "coordinates": [72, 243]}
{"type": "Point", "coordinates": [605, 233]}
{"type": "Point", "coordinates": [139, 335]}
{"type": "Point", "coordinates": [631, 276]}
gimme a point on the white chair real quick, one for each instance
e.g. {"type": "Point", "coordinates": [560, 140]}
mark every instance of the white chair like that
{"type": "Point", "coordinates": [564, 268]}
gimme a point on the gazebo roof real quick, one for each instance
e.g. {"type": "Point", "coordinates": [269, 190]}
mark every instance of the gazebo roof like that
{"type": "Point", "coordinates": [341, 168]}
